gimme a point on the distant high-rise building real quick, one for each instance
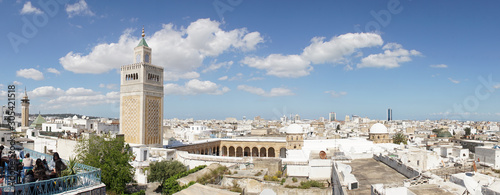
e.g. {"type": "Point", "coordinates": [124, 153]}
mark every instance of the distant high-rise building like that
{"type": "Point", "coordinates": [332, 117]}
{"type": "Point", "coordinates": [389, 114]}
{"type": "Point", "coordinates": [141, 98]}
{"type": "Point", "coordinates": [347, 118]}
{"type": "Point", "coordinates": [25, 110]}
{"type": "Point", "coordinates": [296, 118]}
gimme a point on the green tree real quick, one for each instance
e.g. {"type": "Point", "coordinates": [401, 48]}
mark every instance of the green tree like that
{"type": "Point", "coordinates": [338, 128]}
{"type": "Point", "coordinates": [112, 156]}
{"type": "Point", "coordinates": [161, 171]}
{"type": "Point", "coordinates": [467, 131]}
{"type": "Point", "coordinates": [398, 138]}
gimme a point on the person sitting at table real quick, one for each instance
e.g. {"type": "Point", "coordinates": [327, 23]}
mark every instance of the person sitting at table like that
{"type": "Point", "coordinates": [60, 166]}
{"type": "Point", "coordinates": [27, 163]}
{"type": "Point", "coordinates": [39, 170]}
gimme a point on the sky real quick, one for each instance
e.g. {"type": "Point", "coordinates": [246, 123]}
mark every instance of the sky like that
{"type": "Point", "coordinates": [240, 58]}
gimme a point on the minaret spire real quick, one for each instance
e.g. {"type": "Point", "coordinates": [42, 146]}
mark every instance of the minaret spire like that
{"type": "Point", "coordinates": [143, 31]}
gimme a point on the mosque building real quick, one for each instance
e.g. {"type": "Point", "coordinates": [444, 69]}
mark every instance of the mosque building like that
{"type": "Point", "coordinates": [379, 134]}
{"type": "Point", "coordinates": [141, 99]}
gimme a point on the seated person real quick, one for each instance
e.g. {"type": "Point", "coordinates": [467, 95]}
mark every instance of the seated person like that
{"type": "Point", "coordinates": [39, 170]}
{"type": "Point", "coordinates": [29, 177]}
{"type": "Point", "coordinates": [28, 163]}
{"type": "Point", "coordinates": [60, 166]}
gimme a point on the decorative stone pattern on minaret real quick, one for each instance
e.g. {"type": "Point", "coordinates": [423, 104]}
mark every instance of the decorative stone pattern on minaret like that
{"type": "Point", "coordinates": [25, 110]}
{"type": "Point", "coordinates": [141, 99]}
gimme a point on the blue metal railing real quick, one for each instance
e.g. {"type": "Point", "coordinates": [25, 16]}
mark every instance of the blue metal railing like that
{"type": "Point", "coordinates": [86, 176]}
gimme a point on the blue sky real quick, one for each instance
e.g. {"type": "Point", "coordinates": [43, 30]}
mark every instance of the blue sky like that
{"type": "Point", "coordinates": [423, 59]}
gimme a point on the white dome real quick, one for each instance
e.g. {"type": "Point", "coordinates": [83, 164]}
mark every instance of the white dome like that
{"type": "Point", "coordinates": [378, 128]}
{"type": "Point", "coordinates": [294, 129]}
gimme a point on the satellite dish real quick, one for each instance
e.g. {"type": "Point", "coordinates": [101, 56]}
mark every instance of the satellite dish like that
{"type": "Point", "coordinates": [322, 155]}
{"type": "Point", "coordinates": [347, 169]}
{"type": "Point", "coordinates": [472, 186]}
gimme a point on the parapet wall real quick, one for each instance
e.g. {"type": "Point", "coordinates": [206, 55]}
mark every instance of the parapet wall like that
{"type": "Point", "coordinates": [194, 160]}
{"type": "Point", "coordinates": [407, 171]}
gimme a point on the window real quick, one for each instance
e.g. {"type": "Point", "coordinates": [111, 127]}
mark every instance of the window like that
{"type": "Point", "coordinates": [146, 58]}
{"type": "Point", "coordinates": [3, 139]}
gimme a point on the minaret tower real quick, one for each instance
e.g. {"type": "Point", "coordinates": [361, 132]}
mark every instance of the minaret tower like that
{"type": "Point", "coordinates": [141, 99]}
{"type": "Point", "coordinates": [25, 110]}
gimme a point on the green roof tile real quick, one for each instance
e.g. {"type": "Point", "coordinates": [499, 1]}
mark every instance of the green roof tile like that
{"type": "Point", "coordinates": [142, 43]}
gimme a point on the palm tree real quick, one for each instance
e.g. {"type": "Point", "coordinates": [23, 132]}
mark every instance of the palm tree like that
{"type": "Point", "coordinates": [398, 138]}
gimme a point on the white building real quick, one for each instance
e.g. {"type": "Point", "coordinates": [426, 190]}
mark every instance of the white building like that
{"type": "Point", "coordinates": [489, 156]}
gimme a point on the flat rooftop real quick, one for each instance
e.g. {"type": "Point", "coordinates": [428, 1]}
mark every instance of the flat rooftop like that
{"type": "Point", "coordinates": [369, 171]}
{"type": "Point", "coordinates": [435, 189]}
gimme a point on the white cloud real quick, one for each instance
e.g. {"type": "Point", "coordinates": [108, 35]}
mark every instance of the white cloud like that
{"type": "Point", "coordinates": [29, 9]}
{"type": "Point", "coordinates": [281, 66]}
{"type": "Point", "coordinates": [17, 83]}
{"type": "Point", "coordinates": [80, 8]}
{"type": "Point", "coordinates": [439, 66]}
{"type": "Point", "coordinates": [336, 94]}
{"type": "Point", "coordinates": [194, 87]}
{"type": "Point", "coordinates": [53, 70]}
{"type": "Point", "coordinates": [177, 50]}
{"type": "Point", "coordinates": [82, 100]}
{"type": "Point", "coordinates": [318, 52]}
{"type": "Point", "coordinates": [175, 76]}
{"type": "Point", "coordinates": [30, 74]}
{"type": "Point", "coordinates": [393, 55]}
{"type": "Point", "coordinates": [497, 86]}
{"type": "Point", "coordinates": [334, 51]}
{"type": "Point", "coordinates": [453, 81]}
{"type": "Point", "coordinates": [80, 92]}
{"type": "Point", "coordinates": [238, 76]}
{"type": "Point", "coordinates": [47, 91]}
{"type": "Point", "coordinates": [255, 79]}
{"type": "Point", "coordinates": [108, 86]}
{"type": "Point", "coordinates": [259, 91]}
{"type": "Point", "coordinates": [223, 78]}
{"type": "Point", "coordinates": [55, 98]}
{"type": "Point", "coordinates": [215, 66]}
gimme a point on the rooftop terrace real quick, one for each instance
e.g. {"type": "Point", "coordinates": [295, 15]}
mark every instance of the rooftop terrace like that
{"type": "Point", "coordinates": [87, 179]}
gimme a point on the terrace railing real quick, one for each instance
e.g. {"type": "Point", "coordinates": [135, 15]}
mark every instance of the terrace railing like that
{"type": "Point", "coordinates": [86, 176]}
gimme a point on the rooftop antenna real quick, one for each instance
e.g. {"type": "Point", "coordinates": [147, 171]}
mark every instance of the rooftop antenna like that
{"type": "Point", "coordinates": [472, 186]}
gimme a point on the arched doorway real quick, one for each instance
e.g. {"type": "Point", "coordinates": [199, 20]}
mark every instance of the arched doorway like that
{"type": "Point", "coordinates": [231, 151]}
{"type": "Point", "coordinates": [283, 153]}
{"type": "Point", "coordinates": [263, 152]}
{"type": "Point", "coordinates": [239, 152]}
{"type": "Point", "coordinates": [271, 152]}
{"type": "Point", "coordinates": [246, 151]}
{"type": "Point", "coordinates": [224, 151]}
{"type": "Point", "coordinates": [255, 152]}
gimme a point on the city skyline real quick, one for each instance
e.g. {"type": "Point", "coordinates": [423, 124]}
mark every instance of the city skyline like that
{"type": "Point", "coordinates": [241, 58]}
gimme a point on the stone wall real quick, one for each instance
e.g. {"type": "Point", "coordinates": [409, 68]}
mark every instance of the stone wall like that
{"type": "Point", "coordinates": [194, 160]}
{"type": "Point", "coordinates": [254, 187]}
{"type": "Point", "coordinates": [396, 165]}
{"type": "Point", "coordinates": [271, 164]}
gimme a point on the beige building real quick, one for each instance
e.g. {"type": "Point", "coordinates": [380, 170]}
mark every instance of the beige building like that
{"type": "Point", "coordinates": [379, 134]}
{"type": "Point", "coordinates": [141, 99]}
{"type": "Point", "coordinates": [25, 110]}
{"type": "Point", "coordinates": [294, 137]}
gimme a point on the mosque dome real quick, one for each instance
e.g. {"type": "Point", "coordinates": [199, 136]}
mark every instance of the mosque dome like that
{"type": "Point", "coordinates": [294, 129]}
{"type": "Point", "coordinates": [378, 128]}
